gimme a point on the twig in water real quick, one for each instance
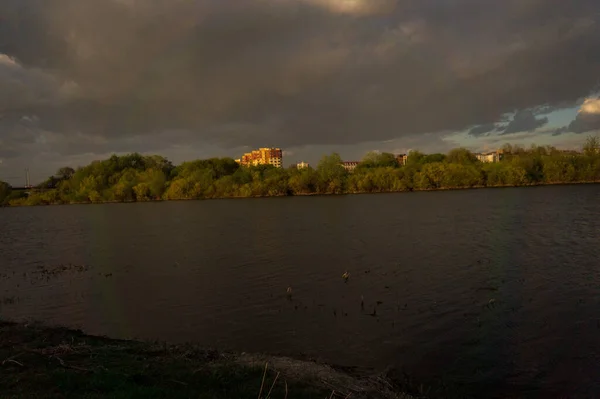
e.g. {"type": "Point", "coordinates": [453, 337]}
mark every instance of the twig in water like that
{"type": "Point", "coordinates": [12, 361]}
{"type": "Point", "coordinates": [332, 393]}
{"type": "Point", "coordinates": [286, 390]}
{"type": "Point", "coordinates": [63, 364]}
{"type": "Point", "coordinates": [271, 390]}
{"type": "Point", "coordinates": [262, 384]}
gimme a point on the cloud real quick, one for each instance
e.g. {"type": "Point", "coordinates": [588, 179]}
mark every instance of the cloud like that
{"type": "Point", "coordinates": [587, 119]}
{"type": "Point", "coordinates": [560, 130]}
{"type": "Point", "coordinates": [590, 106]}
{"type": "Point", "coordinates": [584, 123]}
{"type": "Point", "coordinates": [7, 153]}
{"type": "Point", "coordinates": [24, 88]}
{"type": "Point", "coordinates": [481, 130]}
{"type": "Point", "coordinates": [524, 121]}
{"type": "Point", "coordinates": [354, 7]}
{"type": "Point", "coordinates": [102, 75]}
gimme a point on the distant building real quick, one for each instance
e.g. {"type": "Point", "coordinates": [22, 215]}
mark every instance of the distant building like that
{"type": "Point", "coordinates": [302, 165]}
{"type": "Point", "coordinates": [570, 152]}
{"type": "Point", "coordinates": [401, 159]}
{"type": "Point", "coordinates": [350, 165]}
{"type": "Point", "coordinates": [262, 156]}
{"type": "Point", "coordinates": [490, 157]}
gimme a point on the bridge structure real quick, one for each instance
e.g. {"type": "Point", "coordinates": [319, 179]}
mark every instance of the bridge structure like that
{"type": "Point", "coordinates": [27, 187]}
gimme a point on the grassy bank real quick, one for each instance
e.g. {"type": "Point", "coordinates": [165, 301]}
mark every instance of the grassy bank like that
{"type": "Point", "coordinates": [42, 362]}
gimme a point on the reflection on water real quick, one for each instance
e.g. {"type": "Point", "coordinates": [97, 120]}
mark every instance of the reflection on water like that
{"type": "Point", "coordinates": [489, 292]}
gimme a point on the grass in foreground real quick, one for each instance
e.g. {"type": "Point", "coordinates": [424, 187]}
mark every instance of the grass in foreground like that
{"type": "Point", "coordinates": [38, 362]}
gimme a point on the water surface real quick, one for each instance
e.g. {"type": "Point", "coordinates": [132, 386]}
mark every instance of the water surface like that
{"type": "Point", "coordinates": [492, 293]}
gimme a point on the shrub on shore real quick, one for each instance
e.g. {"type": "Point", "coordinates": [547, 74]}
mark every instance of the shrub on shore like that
{"type": "Point", "coordinates": [135, 177]}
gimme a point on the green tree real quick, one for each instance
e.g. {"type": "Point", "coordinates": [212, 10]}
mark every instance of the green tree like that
{"type": "Point", "coordinates": [331, 174]}
{"type": "Point", "coordinates": [376, 159]}
{"type": "Point", "coordinates": [178, 189]}
{"type": "Point", "coordinates": [461, 156]}
{"type": "Point", "coordinates": [431, 176]}
{"type": "Point", "coordinates": [558, 169]}
{"type": "Point", "coordinates": [384, 179]}
{"type": "Point", "coordinates": [461, 175]}
{"type": "Point", "coordinates": [242, 176]}
{"type": "Point", "coordinates": [533, 165]}
{"type": "Point", "coordinates": [591, 147]}
{"type": "Point", "coordinates": [202, 181]}
{"type": "Point", "coordinates": [223, 166]}
{"type": "Point", "coordinates": [276, 182]}
{"type": "Point", "coordinates": [303, 181]}
{"type": "Point", "coordinates": [142, 192]}
{"type": "Point", "coordinates": [494, 173]}
{"type": "Point", "coordinates": [134, 177]}
{"type": "Point", "coordinates": [155, 180]}
{"type": "Point", "coordinates": [5, 190]}
{"type": "Point", "coordinates": [361, 181]}
{"type": "Point", "coordinates": [65, 173]}
{"type": "Point", "coordinates": [504, 173]}
{"type": "Point", "coordinates": [225, 187]}
{"type": "Point", "coordinates": [431, 158]}
{"type": "Point", "coordinates": [415, 158]}
{"type": "Point", "coordinates": [123, 189]}
{"type": "Point", "coordinates": [89, 189]}
{"type": "Point", "coordinates": [158, 162]}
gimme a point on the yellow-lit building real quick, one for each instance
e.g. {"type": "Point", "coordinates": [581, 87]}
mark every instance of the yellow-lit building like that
{"type": "Point", "coordinates": [490, 157]}
{"type": "Point", "coordinates": [302, 165]}
{"type": "Point", "coordinates": [350, 165]}
{"type": "Point", "coordinates": [401, 159]}
{"type": "Point", "coordinates": [262, 156]}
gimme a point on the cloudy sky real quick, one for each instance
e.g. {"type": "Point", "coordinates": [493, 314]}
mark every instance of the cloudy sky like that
{"type": "Point", "coordinates": [81, 79]}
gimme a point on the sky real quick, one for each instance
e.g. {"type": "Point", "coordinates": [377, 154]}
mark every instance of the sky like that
{"type": "Point", "coordinates": [189, 79]}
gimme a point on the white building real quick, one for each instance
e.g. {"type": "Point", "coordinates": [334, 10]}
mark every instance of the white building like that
{"type": "Point", "coordinates": [489, 157]}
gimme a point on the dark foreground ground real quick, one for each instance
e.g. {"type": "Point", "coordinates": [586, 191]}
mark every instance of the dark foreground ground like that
{"type": "Point", "coordinates": [41, 362]}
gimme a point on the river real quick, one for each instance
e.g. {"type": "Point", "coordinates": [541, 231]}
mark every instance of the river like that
{"type": "Point", "coordinates": [476, 293]}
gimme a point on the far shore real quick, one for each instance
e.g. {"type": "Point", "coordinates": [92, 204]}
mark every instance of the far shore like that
{"type": "Point", "coordinates": [319, 194]}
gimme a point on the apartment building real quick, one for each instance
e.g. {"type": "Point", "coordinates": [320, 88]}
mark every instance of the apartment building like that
{"type": "Point", "coordinates": [302, 165]}
{"type": "Point", "coordinates": [350, 165]}
{"type": "Point", "coordinates": [401, 159]}
{"type": "Point", "coordinates": [489, 157]}
{"type": "Point", "coordinates": [262, 156]}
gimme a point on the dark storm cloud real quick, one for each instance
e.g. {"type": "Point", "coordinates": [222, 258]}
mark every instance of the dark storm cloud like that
{"type": "Point", "coordinates": [587, 119]}
{"type": "Point", "coordinates": [524, 121]}
{"type": "Point", "coordinates": [481, 130]}
{"type": "Point", "coordinates": [585, 123]}
{"type": "Point", "coordinates": [560, 130]}
{"type": "Point", "coordinates": [547, 109]}
{"type": "Point", "coordinates": [7, 153]}
{"type": "Point", "coordinates": [22, 88]}
{"type": "Point", "coordinates": [116, 73]}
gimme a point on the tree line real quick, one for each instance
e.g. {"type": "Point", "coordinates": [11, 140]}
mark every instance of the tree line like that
{"type": "Point", "coordinates": [135, 177]}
